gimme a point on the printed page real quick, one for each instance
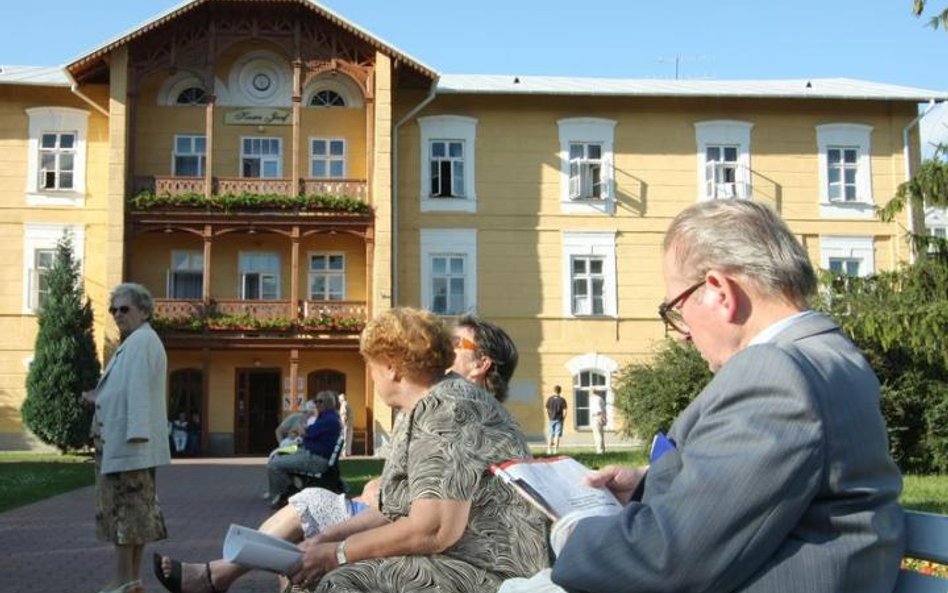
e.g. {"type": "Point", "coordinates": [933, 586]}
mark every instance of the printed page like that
{"type": "Point", "coordinates": [555, 485]}
{"type": "Point", "coordinates": [249, 547]}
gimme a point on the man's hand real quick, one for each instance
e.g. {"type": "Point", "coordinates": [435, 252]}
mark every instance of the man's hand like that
{"type": "Point", "coordinates": [90, 396]}
{"type": "Point", "coordinates": [318, 558]}
{"type": "Point", "coordinates": [621, 481]}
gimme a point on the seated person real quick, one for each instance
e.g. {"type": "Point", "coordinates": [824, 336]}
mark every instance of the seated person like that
{"type": "Point", "coordinates": [485, 532]}
{"type": "Point", "coordinates": [314, 452]}
{"type": "Point", "coordinates": [778, 475]}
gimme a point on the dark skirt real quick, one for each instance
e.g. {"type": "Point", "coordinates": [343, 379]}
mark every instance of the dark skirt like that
{"type": "Point", "coordinates": [126, 506]}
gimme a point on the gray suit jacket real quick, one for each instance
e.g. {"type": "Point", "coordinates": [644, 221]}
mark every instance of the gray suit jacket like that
{"type": "Point", "coordinates": [781, 481]}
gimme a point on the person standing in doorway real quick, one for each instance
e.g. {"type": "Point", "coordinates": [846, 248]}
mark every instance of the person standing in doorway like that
{"type": "Point", "coordinates": [345, 416]}
{"type": "Point", "coordinates": [597, 409]}
{"type": "Point", "coordinates": [556, 413]}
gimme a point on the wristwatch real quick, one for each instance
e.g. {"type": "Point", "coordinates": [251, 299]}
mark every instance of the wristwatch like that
{"type": "Point", "coordinates": [341, 553]}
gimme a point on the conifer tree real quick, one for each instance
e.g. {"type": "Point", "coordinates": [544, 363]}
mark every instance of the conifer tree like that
{"type": "Point", "coordinates": [64, 362]}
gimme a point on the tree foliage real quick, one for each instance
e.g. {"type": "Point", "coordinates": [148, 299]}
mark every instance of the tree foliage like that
{"type": "Point", "coordinates": [938, 20]}
{"type": "Point", "coordinates": [64, 362]}
{"type": "Point", "coordinates": [651, 395]}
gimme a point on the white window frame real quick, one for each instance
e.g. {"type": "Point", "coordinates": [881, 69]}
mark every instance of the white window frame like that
{"type": "Point", "coordinates": [200, 156]}
{"type": "Point", "coordinates": [846, 135]}
{"type": "Point", "coordinates": [245, 269]}
{"type": "Point", "coordinates": [448, 128]}
{"type": "Point", "coordinates": [848, 248]}
{"type": "Point", "coordinates": [596, 244]}
{"type": "Point", "coordinates": [936, 221]}
{"type": "Point", "coordinates": [588, 130]}
{"type": "Point", "coordinates": [42, 236]}
{"type": "Point", "coordinates": [724, 133]}
{"type": "Point", "coordinates": [261, 157]}
{"type": "Point", "coordinates": [176, 84]}
{"type": "Point", "coordinates": [341, 84]}
{"type": "Point", "coordinates": [47, 120]}
{"type": "Point", "coordinates": [193, 260]}
{"type": "Point", "coordinates": [328, 158]}
{"type": "Point", "coordinates": [449, 242]}
{"type": "Point", "coordinates": [328, 273]}
{"type": "Point", "coordinates": [603, 365]}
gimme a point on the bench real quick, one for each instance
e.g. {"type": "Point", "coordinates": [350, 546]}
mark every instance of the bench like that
{"type": "Point", "coordinates": [329, 479]}
{"type": "Point", "coordinates": [926, 538]}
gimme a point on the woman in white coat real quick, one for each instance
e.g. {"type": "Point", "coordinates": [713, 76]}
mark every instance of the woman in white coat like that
{"type": "Point", "coordinates": [130, 432]}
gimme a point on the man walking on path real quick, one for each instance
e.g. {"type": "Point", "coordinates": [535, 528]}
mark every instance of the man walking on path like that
{"type": "Point", "coordinates": [556, 412]}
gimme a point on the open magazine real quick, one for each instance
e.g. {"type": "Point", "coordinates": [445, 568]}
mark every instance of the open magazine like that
{"type": "Point", "coordinates": [249, 547]}
{"type": "Point", "coordinates": [555, 486]}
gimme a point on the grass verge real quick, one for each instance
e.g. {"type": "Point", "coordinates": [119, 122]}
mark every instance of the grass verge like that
{"type": "Point", "coordinates": [29, 477]}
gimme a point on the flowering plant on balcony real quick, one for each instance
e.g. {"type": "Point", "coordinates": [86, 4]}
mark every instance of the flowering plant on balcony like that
{"type": "Point", "coordinates": [180, 324]}
{"type": "Point", "coordinates": [327, 322]}
{"type": "Point", "coordinates": [148, 200]}
{"type": "Point", "coordinates": [248, 323]}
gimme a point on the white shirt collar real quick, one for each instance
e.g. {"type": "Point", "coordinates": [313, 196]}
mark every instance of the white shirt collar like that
{"type": "Point", "coordinates": [771, 331]}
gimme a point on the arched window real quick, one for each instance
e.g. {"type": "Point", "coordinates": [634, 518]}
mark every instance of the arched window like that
{"type": "Point", "coordinates": [192, 96]}
{"type": "Point", "coordinates": [327, 98]}
{"type": "Point", "coordinates": [585, 384]}
{"type": "Point", "coordinates": [325, 380]}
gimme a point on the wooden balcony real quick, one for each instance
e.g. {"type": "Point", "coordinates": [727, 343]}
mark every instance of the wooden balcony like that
{"type": "Point", "coordinates": [256, 319]}
{"type": "Point", "coordinates": [164, 185]}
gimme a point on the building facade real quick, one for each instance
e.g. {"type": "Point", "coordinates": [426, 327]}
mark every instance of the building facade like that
{"type": "Point", "coordinates": [276, 175]}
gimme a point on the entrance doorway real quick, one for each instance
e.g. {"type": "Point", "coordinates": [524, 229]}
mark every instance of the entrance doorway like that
{"type": "Point", "coordinates": [256, 410]}
{"type": "Point", "coordinates": [325, 380]}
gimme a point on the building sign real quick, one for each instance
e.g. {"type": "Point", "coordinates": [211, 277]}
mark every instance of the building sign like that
{"type": "Point", "coordinates": [260, 116]}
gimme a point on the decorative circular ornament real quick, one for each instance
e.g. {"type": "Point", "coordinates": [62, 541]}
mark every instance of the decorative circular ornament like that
{"type": "Point", "coordinates": [261, 82]}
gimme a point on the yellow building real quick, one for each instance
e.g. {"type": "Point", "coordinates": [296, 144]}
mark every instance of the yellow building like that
{"type": "Point", "coordinates": [178, 156]}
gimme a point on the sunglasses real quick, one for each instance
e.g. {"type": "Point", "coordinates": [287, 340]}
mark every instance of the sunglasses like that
{"type": "Point", "coordinates": [461, 343]}
{"type": "Point", "coordinates": [123, 310]}
{"type": "Point", "coordinates": [670, 312]}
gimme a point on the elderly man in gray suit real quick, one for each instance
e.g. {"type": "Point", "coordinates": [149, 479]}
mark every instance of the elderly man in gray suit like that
{"type": "Point", "coordinates": [777, 477]}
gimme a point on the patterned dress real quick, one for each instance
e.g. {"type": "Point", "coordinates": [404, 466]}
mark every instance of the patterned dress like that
{"type": "Point", "coordinates": [442, 450]}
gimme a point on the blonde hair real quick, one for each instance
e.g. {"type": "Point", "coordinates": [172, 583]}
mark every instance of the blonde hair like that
{"type": "Point", "coordinates": [414, 341]}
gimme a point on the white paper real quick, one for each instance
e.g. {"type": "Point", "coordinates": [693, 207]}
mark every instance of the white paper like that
{"type": "Point", "coordinates": [249, 547]}
{"type": "Point", "coordinates": [556, 486]}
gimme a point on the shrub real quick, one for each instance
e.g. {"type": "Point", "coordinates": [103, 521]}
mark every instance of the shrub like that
{"type": "Point", "coordinates": [65, 362]}
{"type": "Point", "coordinates": [651, 395]}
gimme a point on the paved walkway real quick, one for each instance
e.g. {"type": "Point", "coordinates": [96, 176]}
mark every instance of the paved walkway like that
{"type": "Point", "coordinates": [50, 546]}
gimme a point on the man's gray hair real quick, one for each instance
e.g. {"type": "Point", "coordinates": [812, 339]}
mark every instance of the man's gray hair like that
{"type": "Point", "coordinates": [743, 238]}
{"type": "Point", "coordinates": [136, 293]}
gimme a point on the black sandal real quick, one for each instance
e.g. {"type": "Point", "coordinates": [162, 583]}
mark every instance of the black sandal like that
{"type": "Point", "coordinates": [172, 582]}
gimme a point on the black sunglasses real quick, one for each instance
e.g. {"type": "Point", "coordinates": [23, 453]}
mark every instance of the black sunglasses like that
{"type": "Point", "coordinates": [123, 310]}
{"type": "Point", "coordinates": [670, 312]}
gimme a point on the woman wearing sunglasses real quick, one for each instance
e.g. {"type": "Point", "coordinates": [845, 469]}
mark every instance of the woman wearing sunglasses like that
{"type": "Point", "coordinates": [130, 433]}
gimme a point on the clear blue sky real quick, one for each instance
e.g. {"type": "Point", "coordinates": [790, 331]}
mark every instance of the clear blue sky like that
{"type": "Point", "coordinates": [877, 40]}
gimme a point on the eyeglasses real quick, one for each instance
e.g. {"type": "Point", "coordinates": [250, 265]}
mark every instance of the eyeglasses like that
{"type": "Point", "coordinates": [670, 312]}
{"type": "Point", "coordinates": [123, 310]}
{"type": "Point", "coordinates": [462, 343]}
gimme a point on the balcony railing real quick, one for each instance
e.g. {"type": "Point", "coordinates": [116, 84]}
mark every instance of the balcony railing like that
{"type": "Point", "coordinates": [354, 188]}
{"type": "Point", "coordinates": [256, 316]}
{"type": "Point", "coordinates": [243, 185]}
{"type": "Point", "coordinates": [176, 186]}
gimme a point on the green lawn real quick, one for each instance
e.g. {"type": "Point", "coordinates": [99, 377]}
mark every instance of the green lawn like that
{"type": "Point", "coordinates": [29, 477]}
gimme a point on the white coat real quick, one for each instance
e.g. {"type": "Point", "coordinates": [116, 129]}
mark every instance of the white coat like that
{"type": "Point", "coordinates": [130, 405]}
